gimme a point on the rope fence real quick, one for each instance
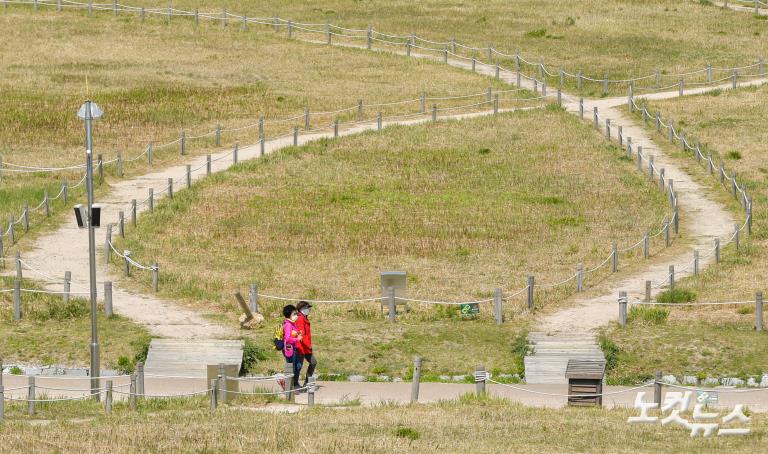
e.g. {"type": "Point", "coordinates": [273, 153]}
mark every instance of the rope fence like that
{"type": "Point", "coordinates": [328, 33]}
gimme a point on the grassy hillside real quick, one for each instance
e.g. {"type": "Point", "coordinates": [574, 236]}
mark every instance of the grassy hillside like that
{"type": "Point", "coordinates": [619, 37]}
{"type": "Point", "coordinates": [463, 208]}
{"type": "Point", "coordinates": [153, 81]}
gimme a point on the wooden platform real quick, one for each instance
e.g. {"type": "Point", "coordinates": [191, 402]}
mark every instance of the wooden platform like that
{"type": "Point", "coordinates": [550, 355]}
{"type": "Point", "coordinates": [190, 358]}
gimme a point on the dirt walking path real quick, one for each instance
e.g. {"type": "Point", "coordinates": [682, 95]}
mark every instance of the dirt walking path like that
{"type": "Point", "coordinates": [66, 248]}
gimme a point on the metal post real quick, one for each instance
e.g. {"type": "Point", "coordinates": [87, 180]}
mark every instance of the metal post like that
{"type": "Point", "coordinates": [759, 311]}
{"type": "Point", "coordinates": [155, 277]}
{"type": "Point", "coordinates": [254, 298]}
{"type": "Point", "coordinates": [497, 306]}
{"type": "Point", "coordinates": [95, 367]}
{"type": "Point", "coordinates": [531, 284]}
{"type": "Point", "coordinates": [108, 299]}
{"type": "Point", "coordinates": [31, 395]}
{"type": "Point", "coordinates": [647, 291]}
{"type": "Point", "coordinates": [622, 308]}
{"type": "Point", "coordinates": [480, 377]}
{"type": "Point", "coordinates": [416, 379]}
{"type": "Point", "coordinates": [108, 399]}
{"type": "Point", "coordinates": [695, 262]}
{"type": "Point", "coordinates": [391, 304]}
{"type": "Point", "coordinates": [67, 286]}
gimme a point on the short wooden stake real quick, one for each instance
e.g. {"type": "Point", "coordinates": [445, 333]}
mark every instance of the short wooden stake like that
{"type": "Point", "coordinates": [108, 399]}
{"type": "Point", "coordinates": [312, 387]}
{"type": "Point", "coordinates": [140, 379]}
{"type": "Point", "coordinates": [121, 224]}
{"type": "Point", "coordinates": [657, 389]}
{"type": "Point", "coordinates": [695, 262]}
{"type": "Point", "coordinates": [16, 300]}
{"type": "Point", "coordinates": [580, 278]}
{"type": "Point", "coordinates": [614, 258]}
{"type": "Point", "coordinates": [132, 393]}
{"type": "Point", "coordinates": [127, 263]}
{"type": "Point", "coordinates": [208, 165]}
{"type": "Point", "coordinates": [595, 118]}
{"type": "Point", "coordinates": [671, 277]}
{"type": "Point", "coordinates": [189, 176]}
{"type": "Point", "coordinates": [119, 164]}
{"type": "Point", "coordinates": [759, 311]}
{"type": "Point", "coordinates": [155, 277]}
{"type": "Point", "coordinates": [214, 394]}
{"type": "Point", "coordinates": [170, 189]}
{"type": "Point", "coordinates": [151, 200]}
{"type": "Point", "coordinates": [183, 143]}
{"type": "Point", "coordinates": [379, 121]}
{"type": "Point", "coordinates": [646, 245]}
{"type": "Point", "coordinates": [254, 298]}
{"type": "Point", "coordinates": [717, 250]}
{"type": "Point", "coordinates": [133, 212]}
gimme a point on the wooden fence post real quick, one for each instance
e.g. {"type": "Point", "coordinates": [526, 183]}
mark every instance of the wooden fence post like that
{"type": "Point", "coordinates": [16, 300]}
{"type": "Point", "coordinates": [31, 395]}
{"type": "Point", "coordinates": [155, 277]}
{"type": "Point", "coordinates": [531, 284]}
{"type": "Point", "coordinates": [391, 304]}
{"type": "Point", "coordinates": [121, 224]}
{"type": "Point", "coordinates": [214, 394]}
{"type": "Point", "coordinates": [647, 291]}
{"type": "Point", "coordinates": [695, 262]}
{"type": "Point", "coordinates": [119, 164]}
{"type": "Point", "coordinates": [19, 274]}
{"type": "Point", "coordinates": [416, 379]}
{"type": "Point", "coordinates": [497, 306]}
{"type": "Point", "coordinates": [254, 298]}
{"type": "Point", "coordinates": [657, 389]}
{"type": "Point", "coordinates": [67, 285]}
{"type": "Point", "coordinates": [140, 379]}
{"type": "Point", "coordinates": [623, 308]}
{"type": "Point", "coordinates": [132, 393]}
{"type": "Point", "coordinates": [480, 378]}
{"type": "Point", "coordinates": [671, 277]}
{"type": "Point", "coordinates": [108, 299]}
{"type": "Point", "coordinates": [717, 250]}
{"type": "Point", "coordinates": [759, 311]}
{"type": "Point", "coordinates": [133, 212]}
{"type": "Point", "coordinates": [170, 190]}
{"type": "Point", "coordinates": [614, 258]}
{"type": "Point", "coordinates": [208, 164]}
{"type": "Point", "coordinates": [108, 399]}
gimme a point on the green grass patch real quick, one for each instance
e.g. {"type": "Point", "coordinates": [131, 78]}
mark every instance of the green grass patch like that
{"type": "Point", "coordinates": [677, 295]}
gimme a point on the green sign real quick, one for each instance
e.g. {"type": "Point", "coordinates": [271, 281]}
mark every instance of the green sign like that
{"type": "Point", "coordinates": [469, 309]}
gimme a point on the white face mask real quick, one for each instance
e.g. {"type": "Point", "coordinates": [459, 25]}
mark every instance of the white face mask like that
{"type": "Point", "coordinates": [294, 317]}
{"type": "Point", "coordinates": [305, 311]}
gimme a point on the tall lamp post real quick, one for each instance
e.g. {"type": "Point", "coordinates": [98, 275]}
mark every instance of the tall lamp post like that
{"type": "Point", "coordinates": [89, 112]}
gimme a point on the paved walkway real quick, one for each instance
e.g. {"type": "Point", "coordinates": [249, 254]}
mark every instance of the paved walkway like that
{"type": "Point", "coordinates": [370, 394]}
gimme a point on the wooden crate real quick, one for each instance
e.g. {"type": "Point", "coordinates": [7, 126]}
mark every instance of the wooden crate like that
{"type": "Point", "coordinates": [585, 382]}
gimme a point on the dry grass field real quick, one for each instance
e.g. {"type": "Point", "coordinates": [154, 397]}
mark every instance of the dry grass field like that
{"type": "Point", "coordinates": [154, 81]}
{"type": "Point", "coordinates": [622, 38]}
{"type": "Point", "coordinates": [462, 207]}
{"type": "Point", "coordinates": [468, 424]}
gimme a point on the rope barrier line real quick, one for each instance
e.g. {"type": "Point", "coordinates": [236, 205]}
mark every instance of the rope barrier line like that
{"type": "Point", "coordinates": [165, 396]}
{"type": "Point", "coordinates": [718, 390]}
{"type": "Point", "coordinates": [722, 303]}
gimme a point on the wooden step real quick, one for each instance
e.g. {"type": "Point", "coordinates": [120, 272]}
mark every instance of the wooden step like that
{"type": "Point", "coordinates": [189, 357]}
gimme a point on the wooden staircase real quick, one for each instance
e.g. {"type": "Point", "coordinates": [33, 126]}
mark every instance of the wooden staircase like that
{"type": "Point", "coordinates": [191, 357]}
{"type": "Point", "coordinates": [551, 353]}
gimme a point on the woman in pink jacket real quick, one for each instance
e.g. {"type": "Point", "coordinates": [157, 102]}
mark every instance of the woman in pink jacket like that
{"type": "Point", "coordinates": [291, 337]}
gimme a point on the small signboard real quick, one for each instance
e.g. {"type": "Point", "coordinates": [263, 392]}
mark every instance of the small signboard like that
{"type": "Point", "coordinates": [469, 309]}
{"type": "Point", "coordinates": [706, 397]}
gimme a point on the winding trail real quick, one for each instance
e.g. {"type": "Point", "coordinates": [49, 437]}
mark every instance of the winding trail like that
{"type": "Point", "coordinates": [66, 248]}
{"type": "Point", "coordinates": [702, 220]}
